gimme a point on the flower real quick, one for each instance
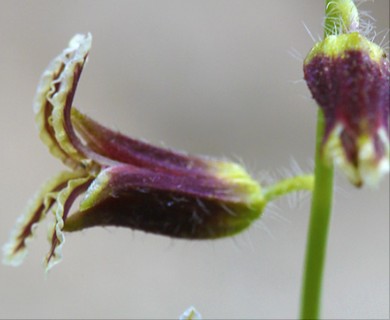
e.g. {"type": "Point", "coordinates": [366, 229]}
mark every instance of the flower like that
{"type": "Point", "coordinates": [348, 76]}
{"type": "Point", "coordinates": [124, 182]}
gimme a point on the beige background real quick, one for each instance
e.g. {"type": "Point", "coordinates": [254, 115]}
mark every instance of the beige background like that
{"type": "Point", "coordinates": [208, 77]}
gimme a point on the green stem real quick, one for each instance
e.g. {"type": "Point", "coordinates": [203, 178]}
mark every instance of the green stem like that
{"type": "Point", "coordinates": [321, 209]}
{"type": "Point", "coordinates": [338, 13]}
{"type": "Point", "coordinates": [305, 182]}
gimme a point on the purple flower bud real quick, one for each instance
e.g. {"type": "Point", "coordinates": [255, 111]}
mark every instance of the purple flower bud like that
{"type": "Point", "coordinates": [348, 77]}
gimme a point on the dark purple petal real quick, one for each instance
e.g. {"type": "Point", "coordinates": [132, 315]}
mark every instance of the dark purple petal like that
{"type": "Point", "coordinates": [121, 148]}
{"type": "Point", "coordinates": [352, 90]}
{"type": "Point", "coordinates": [177, 206]}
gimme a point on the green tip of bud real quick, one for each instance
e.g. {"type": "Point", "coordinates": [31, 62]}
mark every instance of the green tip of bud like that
{"type": "Point", "coordinates": [336, 46]}
{"type": "Point", "coordinates": [243, 183]}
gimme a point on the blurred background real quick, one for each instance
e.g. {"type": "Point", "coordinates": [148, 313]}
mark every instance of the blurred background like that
{"type": "Point", "coordinates": [220, 78]}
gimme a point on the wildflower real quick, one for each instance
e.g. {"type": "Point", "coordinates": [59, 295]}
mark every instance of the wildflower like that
{"type": "Point", "coordinates": [125, 182]}
{"type": "Point", "coordinates": [348, 76]}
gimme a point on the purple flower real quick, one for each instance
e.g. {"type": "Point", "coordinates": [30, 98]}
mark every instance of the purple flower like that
{"type": "Point", "coordinates": [348, 77]}
{"type": "Point", "coordinates": [125, 182]}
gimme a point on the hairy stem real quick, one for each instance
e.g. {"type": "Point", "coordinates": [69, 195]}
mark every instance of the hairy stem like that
{"type": "Point", "coordinates": [305, 182]}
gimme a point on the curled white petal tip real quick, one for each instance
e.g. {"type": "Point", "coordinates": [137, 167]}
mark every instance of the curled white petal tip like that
{"type": "Point", "coordinates": [80, 39]}
{"type": "Point", "coordinates": [372, 169]}
{"type": "Point", "coordinates": [11, 259]}
{"type": "Point", "coordinates": [191, 314]}
{"type": "Point", "coordinates": [370, 165]}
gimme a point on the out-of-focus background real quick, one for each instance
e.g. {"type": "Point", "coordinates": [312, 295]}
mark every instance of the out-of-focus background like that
{"type": "Point", "coordinates": [221, 78]}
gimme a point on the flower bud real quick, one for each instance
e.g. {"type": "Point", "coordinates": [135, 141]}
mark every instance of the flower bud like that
{"type": "Point", "coordinates": [348, 76]}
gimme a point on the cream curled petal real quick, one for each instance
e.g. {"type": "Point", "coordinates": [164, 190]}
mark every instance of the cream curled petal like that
{"type": "Point", "coordinates": [43, 103]}
{"type": "Point", "coordinates": [178, 206]}
{"type": "Point", "coordinates": [61, 100]}
{"type": "Point", "coordinates": [53, 105]}
{"type": "Point", "coordinates": [15, 249]}
{"type": "Point", "coordinates": [64, 201]}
